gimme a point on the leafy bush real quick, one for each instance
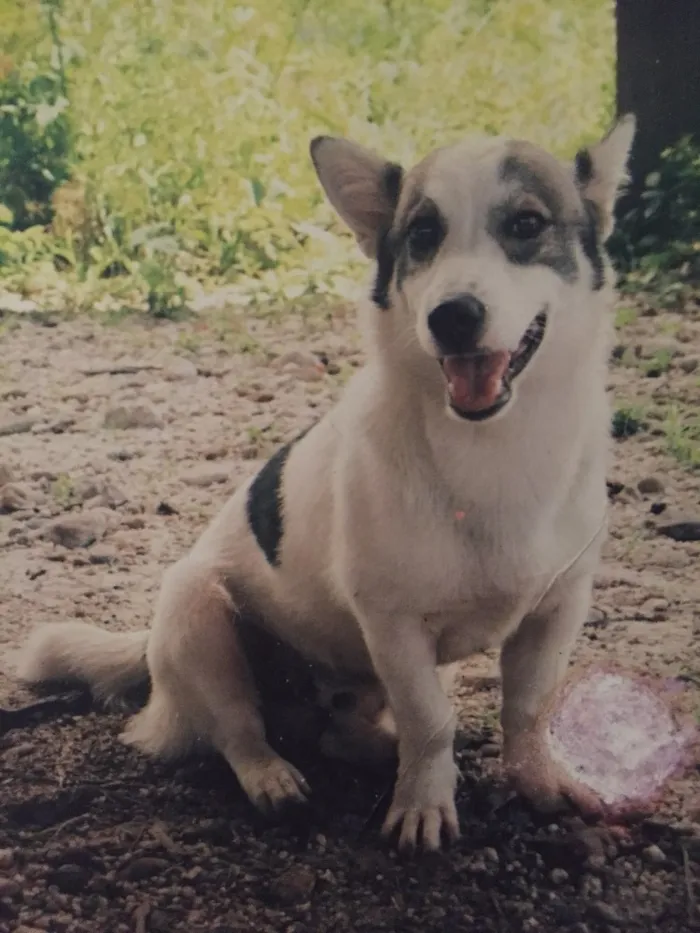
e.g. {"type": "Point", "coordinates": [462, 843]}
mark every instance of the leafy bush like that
{"type": "Point", "coordinates": [198, 116]}
{"type": "Point", "coordinates": [34, 144]}
{"type": "Point", "coordinates": [657, 241]}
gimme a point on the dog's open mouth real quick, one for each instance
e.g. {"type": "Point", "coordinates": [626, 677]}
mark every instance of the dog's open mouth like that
{"type": "Point", "coordinates": [480, 384]}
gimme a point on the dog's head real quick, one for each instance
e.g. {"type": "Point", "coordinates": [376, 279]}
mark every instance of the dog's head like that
{"type": "Point", "coordinates": [483, 251]}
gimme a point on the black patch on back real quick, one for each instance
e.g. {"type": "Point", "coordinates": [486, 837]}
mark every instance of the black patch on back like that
{"type": "Point", "coordinates": [590, 242]}
{"type": "Point", "coordinates": [583, 164]}
{"type": "Point", "coordinates": [265, 505]}
{"type": "Point", "coordinates": [386, 258]}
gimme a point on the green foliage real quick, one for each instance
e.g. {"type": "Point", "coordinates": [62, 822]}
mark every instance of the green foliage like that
{"type": "Point", "coordinates": [627, 421]}
{"type": "Point", "coordinates": [198, 117]}
{"type": "Point", "coordinates": [657, 242]}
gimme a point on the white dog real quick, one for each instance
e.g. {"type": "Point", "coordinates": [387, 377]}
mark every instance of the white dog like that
{"type": "Point", "coordinates": [452, 501]}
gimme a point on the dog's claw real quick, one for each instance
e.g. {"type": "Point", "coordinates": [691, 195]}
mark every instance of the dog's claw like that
{"type": "Point", "coordinates": [424, 829]}
{"type": "Point", "coordinates": [274, 785]}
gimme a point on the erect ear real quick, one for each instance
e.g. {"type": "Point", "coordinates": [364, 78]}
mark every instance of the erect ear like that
{"type": "Point", "coordinates": [361, 186]}
{"type": "Point", "coordinates": [601, 170]}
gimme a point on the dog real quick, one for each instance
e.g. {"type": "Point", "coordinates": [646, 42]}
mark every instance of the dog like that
{"type": "Point", "coordinates": [453, 500]}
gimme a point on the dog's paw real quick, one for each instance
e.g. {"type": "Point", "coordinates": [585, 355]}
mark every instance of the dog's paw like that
{"type": "Point", "coordinates": [273, 784]}
{"type": "Point", "coordinates": [533, 774]}
{"type": "Point", "coordinates": [423, 810]}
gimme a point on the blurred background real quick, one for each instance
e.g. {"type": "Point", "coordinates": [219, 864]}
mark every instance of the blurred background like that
{"type": "Point", "coordinates": [150, 147]}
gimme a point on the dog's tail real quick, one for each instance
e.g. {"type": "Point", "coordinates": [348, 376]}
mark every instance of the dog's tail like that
{"type": "Point", "coordinates": [109, 663]}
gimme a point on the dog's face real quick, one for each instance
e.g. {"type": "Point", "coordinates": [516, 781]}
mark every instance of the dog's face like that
{"type": "Point", "coordinates": [483, 250]}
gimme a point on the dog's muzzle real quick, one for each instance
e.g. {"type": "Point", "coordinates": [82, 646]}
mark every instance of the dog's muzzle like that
{"type": "Point", "coordinates": [480, 384]}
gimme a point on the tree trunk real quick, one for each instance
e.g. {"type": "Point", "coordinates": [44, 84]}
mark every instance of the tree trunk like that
{"type": "Point", "coordinates": [658, 76]}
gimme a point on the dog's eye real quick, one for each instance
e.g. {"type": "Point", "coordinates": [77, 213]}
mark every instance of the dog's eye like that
{"type": "Point", "coordinates": [526, 225]}
{"type": "Point", "coordinates": [424, 237]}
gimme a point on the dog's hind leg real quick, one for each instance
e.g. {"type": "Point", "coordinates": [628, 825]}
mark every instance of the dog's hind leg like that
{"type": "Point", "coordinates": [203, 688]}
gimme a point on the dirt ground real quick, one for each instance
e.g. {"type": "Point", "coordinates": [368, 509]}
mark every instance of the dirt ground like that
{"type": "Point", "coordinates": [118, 442]}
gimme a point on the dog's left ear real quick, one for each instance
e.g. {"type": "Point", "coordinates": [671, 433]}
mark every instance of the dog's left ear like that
{"type": "Point", "coordinates": [361, 186]}
{"type": "Point", "coordinates": [601, 170]}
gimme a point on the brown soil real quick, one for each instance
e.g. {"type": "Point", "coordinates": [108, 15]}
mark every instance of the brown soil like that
{"type": "Point", "coordinates": [95, 838]}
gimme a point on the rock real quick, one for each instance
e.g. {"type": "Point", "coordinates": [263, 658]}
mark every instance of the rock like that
{"type": "Point", "coordinates": [124, 417]}
{"type": "Point", "coordinates": [99, 493]}
{"type": "Point", "coordinates": [653, 855]}
{"type": "Point", "coordinates": [650, 485]}
{"type": "Point", "coordinates": [689, 365]}
{"type": "Point", "coordinates": [15, 304]}
{"type": "Point", "coordinates": [80, 530]}
{"type": "Point", "coordinates": [294, 885]}
{"type": "Point", "coordinates": [558, 876]}
{"type": "Point", "coordinates": [23, 426]}
{"type": "Point", "coordinates": [683, 530]}
{"type": "Point", "coordinates": [205, 477]}
{"type": "Point", "coordinates": [7, 856]}
{"type": "Point", "coordinates": [181, 370]}
{"type": "Point", "coordinates": [144, 867]}
{"type": "Point", "coordinates": [71, 879]}
{"type": "Point", "coordinates": [13, 497]}
{"type": "Point", "coordinates": [6, 474]}
{"type": "Point", "coordinates": [605, 912]}
{"type": "Point", "coordinates": [263, 397]}
{"type": "Point", "coordinates": [9, 888]}
{"type": "Point", "coordinates": [654, 609]}
{"type": "Point", "coordinates": [103, 555]}
{"type": "Point", "coordinates": [164, 508]}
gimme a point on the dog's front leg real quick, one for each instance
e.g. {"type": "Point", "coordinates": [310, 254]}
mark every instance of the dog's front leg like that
{"type": "Point", "coordinates": [534, 663]}
{"type": "Point", "coordinates": [423, 805]}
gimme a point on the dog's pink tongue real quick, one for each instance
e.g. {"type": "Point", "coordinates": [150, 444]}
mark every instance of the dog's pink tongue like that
{"type": "Point", "coordinates": [475, 382]}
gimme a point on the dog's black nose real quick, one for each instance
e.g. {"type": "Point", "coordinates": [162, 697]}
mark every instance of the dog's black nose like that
{"type": "Point", "coordinates": [457, 325]}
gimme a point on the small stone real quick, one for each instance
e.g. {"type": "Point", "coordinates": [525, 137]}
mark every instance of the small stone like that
{"type": "Point", "coordinates": [124, 417]}
{"type": "Point", "coordinates": [205, 478]}
{"type": "Point", "coordinates": [654, 609]}
{"type": "Point", "coordinates": [71, 879]}
{"type": "Point", "coordinates": [13, 498]}
{"type": "Point", "coordinates": [591, 886]}
{"type": "Point", "coordinates": [80, 530]}
{"type": "Point", "coordinates": [602, 911]}
{"type": "Point", "coordinates": [102, 555]}
{"type": "Point", "coordinates": [23, 426]}
{"type": "Point", "coordinates": [683, 530]}
{"type": "Point", "coordinates": [263, 397]}
{"type": "Point", "coordinates": [558, 876]}
{"type": "Point", "coordinates": [145, 867]}
{"type": "Point", "coordinates": [293, 886]}
{"type": "Point", "coordinates": [164, 508]}
{"type": "Point", "coordinates": [689, 364]}
{"type": "Point", "coordinates": [181, 370]}
{"type": "Point", "coordinates": [9, 888]}
{"type": "Point", "coordinates": [7, 856]}
{"type": "Point", "coordinates": [491, 856]}
{"type": "Point", "coordinates": [6, 474]}
{"type": "Point", "coordinates": [653, 855]}
{"type": "Point", "coordinates": [650, 486]}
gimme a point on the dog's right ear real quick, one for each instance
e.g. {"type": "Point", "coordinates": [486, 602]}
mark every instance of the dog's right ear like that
{"type": "Point", "coordinates": [362, 187]}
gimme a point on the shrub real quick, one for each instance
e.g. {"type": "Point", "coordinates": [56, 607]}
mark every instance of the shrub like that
{"type": "Point", "coordinates": [657, 241]}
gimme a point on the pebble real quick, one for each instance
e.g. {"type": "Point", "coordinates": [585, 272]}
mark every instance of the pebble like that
{"type": "Point", "coordinates": [654, 609]}
{"type": "Point", "coordinates": [144, 867]}
{"type": "Point", "coordinates": [9, 888]}
{"type": "Point", "coordinates": [23, 426]}
{"type": "Point", "coordinates": [7, 858]}
{"type": "Point", "coordinates": [294, 885]}
{"type": "Point", "coordinates": [205, 478]}
{"type": "Point", "coordinates": [653, 855]}
{"type": "Point", "coordinates": [13, 497]}
{"type": "Point", "coordinates": [124, 417]}
{"type": "Point", "coordinates": [558, 876]}
{"type": "Point", "coordinates": [602, 911]}
{"type": "Point", "coordinates": [687, 529]}
{"type": "Point", "coordinates": [650, 485]}
{"type": "Point", "coordinates": [689, 365]}
{"type": "Point", "coordinates": [80, 530]}
{"type": "Point", "coordinates": [181, 370]}
{"type": "Point", "coordinates": [6, 474]}
{"type": "Point", "coordinates": [71, 879]}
